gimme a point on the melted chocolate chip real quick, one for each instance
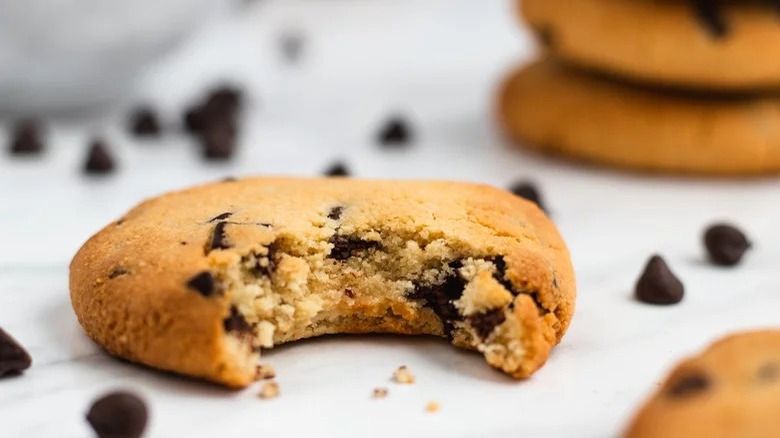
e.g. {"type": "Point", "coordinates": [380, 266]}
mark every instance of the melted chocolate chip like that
{"type": "Point", "coordinates": [99, 160]}
{"type": "Point", "coordinates": [144, 123]}
{"type": "Point", "coordinates": [117, 272]}
{"type": "Point", "coordinates": [236, 323]}
{"type": "Point", "coordinates": [658, 284]}
{"type": "Point", "coordinates": [395, 133]}
{"type": "Point", "coordinates": [335, 213]}
{"type": "Point", "coordinates": [528, 191]}
{"type": "Point", "coordinates": [687, 385]}
{"type": "Point", "coordinates": [27, 138]}
{"type": "Point", "coordinates": [345, 247]}
{"type": "Point", "coordinates": [220, 217]}
{"type": "Point", "coordinates": [440, 298]}
{"type": "Point", "coordinates": [485, 323]}
{"type": "Point", "coordinates": [265, 271]}
{"type": "Point", "coordinates": [13, 357]}
{"type": "Point", "coordinates": [500, 275]}
{"type": "Point", "coordinates": [218, 237]}
{"type": "Point", "coordinates": [349, 293]}
{"type": "Point", "coordinates": [203, 283]}
{"type": "Point", "coordinates": [725, 244]}
{"type": "Point", "coordinates": [710, 16]}
{"type": "Point", "coordinates": [337, 169]}
{"type": "Point", "coordinates": [118, 415]}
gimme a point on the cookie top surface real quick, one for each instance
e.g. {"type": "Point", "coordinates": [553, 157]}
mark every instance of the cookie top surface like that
{"type": "Point", "coordinates": [703, 45]}
{"type": "Point", "coordinates": [139, 290]}
{"type": "Point", "coordinates": [555, 108]}
{"type": "Point", "coordinates": [732, 389]}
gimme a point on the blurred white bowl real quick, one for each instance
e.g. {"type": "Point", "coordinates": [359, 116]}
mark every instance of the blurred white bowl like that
{"type": "Point", "coordinates": [61, 54]}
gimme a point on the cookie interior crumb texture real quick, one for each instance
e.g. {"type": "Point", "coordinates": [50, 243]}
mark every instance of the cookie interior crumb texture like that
{"type": "Point", "coordinates": [269, 390]}
{"type": "Point", "coordinates": [403, 375]}
{"type": "Point", "coordinates": [432, 407]}
{"type": "Point", "coordinates": [379, 393]}
{"type": "Point", "coordinates": [276, 260]}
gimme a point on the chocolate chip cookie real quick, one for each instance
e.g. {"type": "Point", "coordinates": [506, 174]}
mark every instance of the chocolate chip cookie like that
{"type": "Point", "coordinates": [703, 44]}
{"type": "Point", "coordinates": [199, 281]}
{"type": "Point", "coordinates": [562, 110]}
{"type": "Point", "coordinates": [732, 389]}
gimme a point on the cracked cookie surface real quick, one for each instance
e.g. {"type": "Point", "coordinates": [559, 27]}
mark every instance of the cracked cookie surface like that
{"type": "Point", "coordinates": [199, 281]}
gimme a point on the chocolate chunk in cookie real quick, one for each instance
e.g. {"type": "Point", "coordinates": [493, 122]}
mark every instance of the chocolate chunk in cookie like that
{"type": "Point", "coordinates": [236, 323]}
{"type": "Point", "coordinates": [203, 283]}
{"type": "Point", "coordinates": [27, 138]}
{"type": "Point", "coordinates": [99, 159]}
{"type": "Point", "coordinates": [441, 298]}
{"type": "Point", "coordinates": [218, 237]}
{"type": "Point", "coordinates": [345, 247]}
{"type": "Point", "coordinates": [221, 217]}
{"type": "Point", "coordinates": [544, 35]}
{"type": "Point", "coordinates": [725, 244]}
{"type": "Point", "coordinates": [118, 415]}
{"type": "Point", "coordinates": [688, 384]}
{"type": "Point", "coordinates": [335, 213]}
{"type": "Point", "coordinates": [485, 323]}
{"type": "Point", "coordinates": [144, 122]}
{"type": "Point", "coordinates": [13, 357]}
{"type": "Point", "coordinates": [710, 16]}
{"type": "Point", "coordinates": [117, 272]}
{"type": "Point", "coordinates": [658, 284]}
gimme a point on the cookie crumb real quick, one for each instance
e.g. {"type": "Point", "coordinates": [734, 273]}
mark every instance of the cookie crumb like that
{"type": "Point", "coordinates": [379, 393]}
{"type": "Point", "coordinates": [432, 407]}
{"type": "Point", "coordinates": [265, 372]}
{"type": "Point", "coordinates": [269, 390]}
{"type": "Point", "coordinates": [403, 375]}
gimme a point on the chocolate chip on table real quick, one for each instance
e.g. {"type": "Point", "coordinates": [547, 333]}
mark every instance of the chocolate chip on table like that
{"type": "Point", "coordinates": [203, 283]}
{"type": "Point", "coordinates": [224, 101]}
{"type": "Point", "coordinates": [484, 323]}
{"type": "Point", "coordinates": [144, 123]}
{"type": "Point", "coordinates": [218, 141]}
{"type": "Point", "coordinates": [687, 385]}
{"type": "Point", "coordinates": [99, 159]}
{"type": "Point", "coordinates": [658, 284]}
{"type": "Point", "coordinates": [27, 138]}
{"type": "Point", "coordinates": [528, 191]}
{"type": "Point", "coordinates": [218, 238]}
{"type": "Point", "coordinates": [337, 169]}
{"type": "Point", "coordinates": [395, 133]}
{"type": "Point", "coordinates": [194, 119]}
{"type": "Point", "coordinates": [710, 15]}
{"type": "Point", "coordinates": [725, 244]}
{"type": "Point", "coordinates": [120, 414]}
{"type": "Point", "coordinates": [13, 357]}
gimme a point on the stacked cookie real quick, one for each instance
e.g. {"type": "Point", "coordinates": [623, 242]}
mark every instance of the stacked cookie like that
{"type": "Point", "coordinates": [656, 85]}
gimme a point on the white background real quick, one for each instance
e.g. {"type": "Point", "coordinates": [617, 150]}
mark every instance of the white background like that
{"type": "Point", "coordinates": [438, 62]}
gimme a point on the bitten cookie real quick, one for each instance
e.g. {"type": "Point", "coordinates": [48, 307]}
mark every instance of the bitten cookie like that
{"type": "Point", "coordinates": [705, 44]}
{"type": "Point", "coordinates": [556, 109]}
{"type": "Point", "coordinates": [198, 281]}
{"type": "Point", "coordinates": [731, 390]}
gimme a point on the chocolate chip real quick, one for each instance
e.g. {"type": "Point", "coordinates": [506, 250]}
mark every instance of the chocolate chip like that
{"type": "Point", "coordinates": [220, 217]}
{"type": "Point", "coordinates": [203, 283]}
{"type": "Point", "coordinates": [528, 191]}
{"type": "Point", "coordinates": [440, 298]}
{"type": "Point", "coordinates": [236, 323]}
{"type": "Point", "coordinates": [223, 101]}
{"type": "Point", "coordinates": [194, 119]}
{"type": "Point", "coordinates": [485, 323]}
{"type": "Point", "coordinates": [335, 213]}
{"type": "Point", "coordinates": [349, 293]}
{"type": "Point", "coordinates": [259, 270]}
{"type": "Point", "coordinates": [710, 15]}
{"type": "Point", "coordinates": [725, 244]}
{"type": "Point", "coordinates": [218, 237]}
{"type": "Point", "coordinates": [658, 284]}
{"type": "Point", "coordinates": [291, 45]}
{"type": "Point", "coordinates": [119, 414]}
{"type": "Point", "coordinates": [544, 35]}
{"type": "Point", "coordinates": [500, 274]}
{"type": "Point", "coordinates": [688, 384]}
{"type": "Point", "coordinates": [117, 272]}
{"type": "Point", "coordinates": [395, 133]}
{"type": "Point", "coordinates": [769, 372]}
{"type": "Point", "coordinates": [99, 159]}
{"type": "Point", "coordinates": [27, 138]}
{"type": "Point", "coordinates": [345, 247]}
{"type": "Point", "coordinates": [144, 123]}
{"type": "Point", "coordinates": [13, 357]}
{"type": "Point", "coordinates": [218, 140]}
{"type": "Point", "coordinates": [337, 169]}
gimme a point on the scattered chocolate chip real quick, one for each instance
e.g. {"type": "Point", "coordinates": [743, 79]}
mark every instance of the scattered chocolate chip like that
{"type": "Point", "coordinates": [27, 138]}
{"type": "Point", "coordinates": [769, 372]}
{"type": "Point", "coordinates": [337, 169]}
{"type": "Point", "coordinates": [194, 119]}
{"type": "Point", "coordinates": [688, 384]}
{"type": "Point", "coordinates": [203, 283]}
{"type": "Point", "coordinates": [710, 15]}
{"type": "Point", "coordinates": [236, 323]}
{"type": "Point", "coordinates": [117, 272]}
{"type": "Point", "coordinates": [119, 414]}
{"type": "Point", "coordinates": [658, 284]}
{"type": "Point", "coordinates": [99, 160]}
{"type": "Point", "coordinates": [345, 247]}
{"type": "Point", "coordinates": [544, 35]}
{"type": "Point", "coordinates": [13, 357]}
{"type": "Point", "coordinates": [291, 45]}
{"type": "Point", "coordinates": [528, 191]}
{"type": "Point", "coordinates": [440, 298]}
{"type": "Point", "coordinates": [224, 101]}
{"type": "Point", "coordinates": [218, 141]}
{"type": "Point", "coordinates": [485, 323]}
{"type": "Point", "coordinates": [220, 217]}
{"type": "Point", "coordinates": [144, 123]}
{"type": "Point", "coordinates": [335, 213]}
{"type": "Point", "coordinates": [218, 237]}
{"type": "Point", "coordinates": [725, 244]}
{"type": "Point", "coordinates": [395, 133]}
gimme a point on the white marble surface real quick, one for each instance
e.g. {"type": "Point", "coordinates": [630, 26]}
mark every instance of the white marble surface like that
{"type": "Point", "coordinates": [437, 61]}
